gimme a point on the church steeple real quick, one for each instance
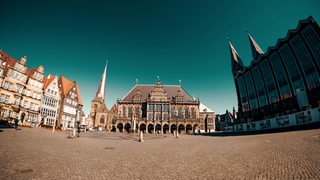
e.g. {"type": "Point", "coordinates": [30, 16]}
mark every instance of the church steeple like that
{"type": "Point", "coordinates": [100, 95]}
{"type": "Point", "coordinates": [236, 62]}
{"type": "Point", "coordinates": [255, 48]}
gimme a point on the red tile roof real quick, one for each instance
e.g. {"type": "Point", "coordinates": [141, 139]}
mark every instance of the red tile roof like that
{"type": "Point", "coordinates": [47, 81]}
{"type": "Point", "coordinates": [10, 61]}
{"type": "Point", "coordinates": [78, 95]}
{"type": "Point", "coordinates": [30, 72]}
{"type": "Point", "coordinates": [67, 85]}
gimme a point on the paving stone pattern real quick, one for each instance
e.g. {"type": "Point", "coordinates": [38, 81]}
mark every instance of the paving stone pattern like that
{"type": "Point", "coordinates": [35, 153]}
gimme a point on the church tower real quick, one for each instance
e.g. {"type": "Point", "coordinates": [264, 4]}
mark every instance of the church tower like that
{"type": "Point", "coordinates": [98, 110]}
{"type": "Point", "coordinates": [236, 62]}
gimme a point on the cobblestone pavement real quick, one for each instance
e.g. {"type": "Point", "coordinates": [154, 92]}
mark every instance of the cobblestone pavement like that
{"type": "Point", "coordinates": [35, 153]}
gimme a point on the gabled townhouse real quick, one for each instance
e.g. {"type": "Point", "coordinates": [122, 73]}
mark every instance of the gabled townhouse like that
{"type": "Point", "coordinates": [71, 103]}
{"type": "Point", "coordinates": [49, 109]}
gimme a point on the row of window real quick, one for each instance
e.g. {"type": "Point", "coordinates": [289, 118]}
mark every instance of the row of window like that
{"type": "Point", "coordinates": [17, 76]}
{"type": "Point", "coordinates": [68, 118]}
{"type": "Point", "coordinates": [48, 112]}
{"type": "Point", "coordinates": [48, 101]}
{"type": "Point", "coordinates": [69, 101]}
{"type": "Point", "coordinates": [158, 107]}
{"type": "Point", "coordinates": [52, 92]}
{"type": "Point", "coordinates": [49, 121]}
{"type": "Point", "coordinates": [6, 99]}
{"type": "Point", "coordinates": [158, 116]}
{"type": "Point", "coordinates": [10, 114]}
{"type": "Point", "coordinates": [279, 76]}
{"type": "Point", "coordinates": [19, 89]}
{"type": "Point", "coordinates": [70, 110]}
{"type": "Point", "coordinates": [36, 83]}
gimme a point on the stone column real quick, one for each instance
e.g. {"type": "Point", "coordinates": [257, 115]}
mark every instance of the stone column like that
{"type": "Point", "coordinates": [54, 125]}
{"type": "Point", "coordinates": [141, 137]}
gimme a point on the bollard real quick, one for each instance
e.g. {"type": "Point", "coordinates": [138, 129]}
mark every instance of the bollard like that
{"type": "Point", "coordinates": [141, 137]}
{"type": "Point", "coordinates": [177, 134]}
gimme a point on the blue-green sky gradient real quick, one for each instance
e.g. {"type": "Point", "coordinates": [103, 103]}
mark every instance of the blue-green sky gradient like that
{"type": "Point", "coordinates": [143, 39]}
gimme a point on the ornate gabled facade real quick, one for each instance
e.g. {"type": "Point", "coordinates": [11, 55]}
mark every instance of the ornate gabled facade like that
{"type": "Point", "coordinates": [282, 81]}
{"type": "Point", "coordinates": [35, 87]}
{"type": "Point", "coordinates": [49, 109]}
{"type": "Point", "coordinates": [13, 87]}
{"type": "Point", "coordinates": [207, 119]}
{"type": "Point", "coordinates": [157, 109]}
{"type": "Point", "coordinates": [100, 115]}
{"type": "Point", "coordinates": [71, 103]}
{"type": "Point", "coordinates": [21, 90]}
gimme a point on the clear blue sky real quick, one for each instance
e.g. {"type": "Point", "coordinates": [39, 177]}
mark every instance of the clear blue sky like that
{"type": "Point", "coordinates": [144, 39]}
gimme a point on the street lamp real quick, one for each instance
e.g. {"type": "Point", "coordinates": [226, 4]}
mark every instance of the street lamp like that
{"type": "Point", "coordinates": [177, 133]}
{"type": "Point", "coordinates": [206, 120]}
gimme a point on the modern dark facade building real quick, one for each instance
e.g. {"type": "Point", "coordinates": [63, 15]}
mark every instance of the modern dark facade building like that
{"type": "Point", "coordinates": [282, 81]}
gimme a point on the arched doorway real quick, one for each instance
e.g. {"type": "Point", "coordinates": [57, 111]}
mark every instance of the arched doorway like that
{"type": "Point", "coordinates": [181, 128]}
{"type": "Point", "coordinates": [113, 129]}
{"type": "Point", "coordinates": [166, 129]}
{"type": "Point", "coordinates": [127, 127]}
{"type": "Point", "coordinates": [188, 128]}
{"type": "Point", "coordinates": [196, 128]}
{"type": "Point", "coordinates": [158, 129]}
{"type": "Point", "coordinates": [120, 127]}
{"type": "Point", "coordinates": [143, 128]}
{"type": "Point", "coordinates": [173, 128]}
{"type": "Point", "coordinates": [150, 128]}
{"type": "Point", "coordinates": [102, 119]}
{"type": "Point", "coordinates": [22, 117]}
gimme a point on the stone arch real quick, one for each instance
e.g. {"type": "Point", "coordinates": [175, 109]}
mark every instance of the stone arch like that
{"type": "Point", "coordinates": [196, 128]}
{"type": "Point", "coordinates": [150, 128]}
{"type": "Point", "coordinates": [165, 129]}
{"type": "Point", "coordinates": [158, 129]}
{"type": "Point", "coordinates": [173, 127]}
{"type": "Point", "coordinates": [127, 127]}
{"type": "Point", "coordinates": [188, 128]}
{"type": "Point", "coordinates": [181, 128]}
{"type": "Point", "coordinates": [120, 127]}
{"type": "Point", "coordinates": [113, 129]}
{"type": "Point", "coordinates": [102, 119]}
{"type": "Point", "coordinates": [143, 127]}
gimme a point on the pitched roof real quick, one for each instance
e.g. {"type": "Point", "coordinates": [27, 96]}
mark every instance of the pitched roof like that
{"type": "Point", "coordinates": [255, 48]}
{"type": "Point", "coordinates": [236, 62]}
{"type": "Point", "coordinates": [47, 81]}
{"type": "Point", "coordinates": [66, 85]}
{"type": "Point", "coordinates": [145, 90]}
{"type": "Point", "coordinates": [203, 107]}
{"type": "Point", "coordinates": [78, 94]}
{"type": "Point", "coordinates": [10, 61]}
{"type": "Point", "coordinates": [30, 72]}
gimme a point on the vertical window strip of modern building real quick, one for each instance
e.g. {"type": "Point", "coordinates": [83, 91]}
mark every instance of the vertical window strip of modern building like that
{"type": "Point", "coordinates": [306, 62]}
{"type": "Point", "coordinates": [253, 103]}
{"type": "Point", "coordinates": [269, 81]}
{"type": "Point", "coordinates": [281, 76]}
{"type": "Point", "coordinates": [261, 90]}
{"type": "Point", "coordinates": [313, 42]}
{"type": "Point", "coordinates": [243, 95]}
{"type": "Point", "coordinates": [292, 68]}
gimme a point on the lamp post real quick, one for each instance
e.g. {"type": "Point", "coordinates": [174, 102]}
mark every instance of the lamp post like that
{"type": "Point", "coordinates": [177, 133]}
{"type": "Point", "coordinates": [206, 120]}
